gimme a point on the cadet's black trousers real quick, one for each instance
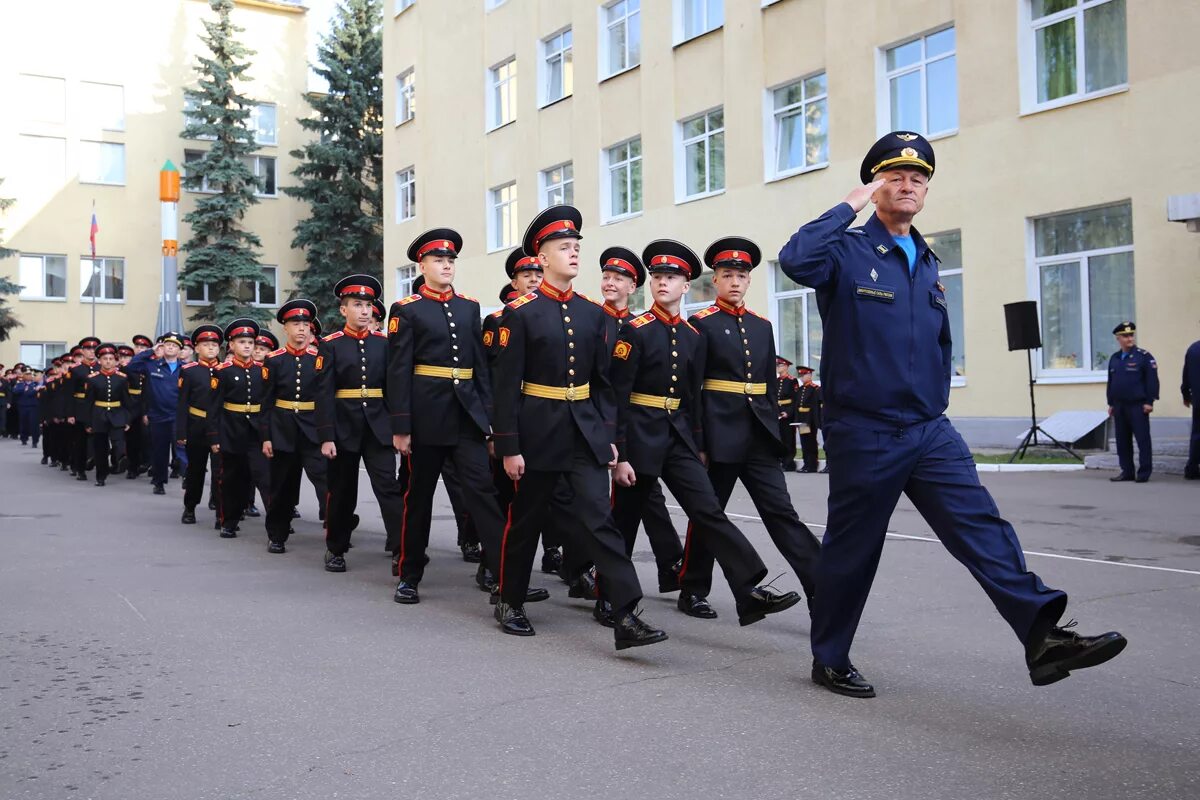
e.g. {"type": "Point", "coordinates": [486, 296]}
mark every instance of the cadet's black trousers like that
{"type": "Point", "coordinates": [286, 466]}
{"type": "Point", "coordinates": [342, 480]}
{"type": "Point", "coordinates": [808, 448]}
{"type": "Point", "coordinates": [106, 444]}
{"type": "Point", "coordinates": [198, 455]}
{"type": "Point", "coordinates": [80, 439]}
{"type": "Point", "coordinates": [787, 435]}
{"type": "Point", "coordinates": [644, 503]}
{"type": "Point", "coordinates": [133, 442]}
{"type": "Point", "coordinates": [233, 476]}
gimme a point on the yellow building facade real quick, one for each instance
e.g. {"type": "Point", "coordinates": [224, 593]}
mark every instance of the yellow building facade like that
{"type": "Point", "coordinates": [95, 108]}
{"type": "Point", "coordinates": [1061, 129]}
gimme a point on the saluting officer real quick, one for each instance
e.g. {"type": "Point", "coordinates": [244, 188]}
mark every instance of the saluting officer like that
{"type": "Point", "coordinates": [886, 385]}
{"type": "Point", "coordinates": [353, 420]}
{"type": "Point", "coordinates": [232, 421]}
{"type": "Point", "coordinates": [808, 415]}
{"type": "Point", "coordinates": [288, 423]}
{"type": "Point", "coordinates": [785, 392]}
{"type": "Point", "coordinates": [107, 392]}
{"type": "Point", "coordinates": [79, 412]}
{"type": "Point", "coordinates": [197, 381]}
{"type": "Point", "coordinates": [1132, 390]}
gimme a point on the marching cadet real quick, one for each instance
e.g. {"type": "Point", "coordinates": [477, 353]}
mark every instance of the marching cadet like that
{"type": "Point", "coordinates": [1132, 390]}
{"type": "Point", "coordinates": [107, 392]}
{"type": "Point", "coordinates": [438, 374]}
{"type": "Point", "coordinates": [197, 381]}
{"type": "Point", "coordinates": [288, 423]}
{"type": "Point", "coordinates": [740, 422]}
{"type": "Point", "coordinates": [885, 427]}
{"type": "Point", "coordinates": [808, 415]}
{"type": "Point", "coordinates": [5, 400]}
{"type": "Point", "coordinates": [555, 418]}
{"type": "Point", "coordinates": [353, 421]}
{"type": "Point", "coordinates": [56, 409]}
{"type": "Point", "coordinates": [79, 412]}
{"type": "Point", "coordinates": [232, 422]}
{"type": "Point", "coordinates": [785, 392]}
{"type": "Point", "coordinates": [260, 470]}
{"type": "Point", "coordinates": [133, 436]}
{"type": "Point", "coordinates": [138, 439]}
{"type": "Point", "coordinates": [1189, 387]}
{"type": "Point", "coordinates": [45, 410]}
{"type": "Point", "coordinates": [161, 367]}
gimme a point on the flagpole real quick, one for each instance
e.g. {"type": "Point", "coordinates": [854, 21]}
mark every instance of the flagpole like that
{"type": "Point", "coordinates": [92, 236]}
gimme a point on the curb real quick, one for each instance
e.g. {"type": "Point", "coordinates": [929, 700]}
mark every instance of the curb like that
{"type": "Point", "coordinates": [1029, 467]}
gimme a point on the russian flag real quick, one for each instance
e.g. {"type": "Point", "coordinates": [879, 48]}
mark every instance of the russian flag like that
{"type": "Point", "coordinates": [94, 230]}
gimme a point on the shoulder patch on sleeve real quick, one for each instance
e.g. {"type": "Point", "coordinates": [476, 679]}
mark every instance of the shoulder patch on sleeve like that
{"type": "Point", "coordinates": [334, 335]}
{"type": "Point", "coordinates": [522, 300]}
{"type": "Point", "coordinates": [644, 319]}
{"type": "Point", "coordinates": [380, 334]}
{"type": "Point", "coordinates": [488, 338]}
{"type": "Point", "coordinates": [393, 324]}
{"type": "Point", "coordinates": [708, 312]}
{"type": "Point", "coordinates": [622, 350]}
{"type": "Point", "coordinates": [497, 314]}
{"type": "Point", "coordinates": [412, 298]}
{"type": "Point", "coordinates": [213, 382]}
{"type": "Point", "coordinates": [320, 363]}
{"type": "Point", "coordinates": [504, 334]}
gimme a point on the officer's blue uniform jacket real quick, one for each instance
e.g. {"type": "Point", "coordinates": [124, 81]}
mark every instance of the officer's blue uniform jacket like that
{"type": "Point", "coordinates": [878, 369]}
{"type": "Point", "coordinates": [160, 393]}
{"type": "Point", "coordinates": [1132, 378]}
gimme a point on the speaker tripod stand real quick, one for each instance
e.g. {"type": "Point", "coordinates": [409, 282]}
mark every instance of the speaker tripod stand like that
{"type": "Point", "coordinates": [1031, 436]}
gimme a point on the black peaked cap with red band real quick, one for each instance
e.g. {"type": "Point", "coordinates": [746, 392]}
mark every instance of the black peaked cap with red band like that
{"type": "Point", "coordinates": [556, 222]}
{"type": "Point", "coordinates": [124, 350]}
{"type": "Point", "coordinates": [623, 261]}
{"type": "Point", "coordinates": [733, 251]}
{"type": "Point", "coordinates": [781, 360]}
{"type": "Point", "coordinates": [241, 327]}
{"type": "Point", "coordinates": [89, 342]}
{"type": "Point", "coordinates": [435, 242]}
{"type": "Point", "coordinates": [207, 333]}
{"type": "Point", "coordinates": [142, 340]}
{"type": "Point", "coordinates": [267, 339]}
{"type": "Point", "coordinates": [378, 311]}
{"type": "Point", "coordinates": [668, 255]}
{"type": "Point", "coordinates": [106, 349]}
{"type": "Point", "coordinates": [361, 286]}
{"type": "Point", "coordinates": [300, 310]}
{"type": "Point", "coordinates": [508, 292]}
{"type": "Point", "coordinates": [517, 261]}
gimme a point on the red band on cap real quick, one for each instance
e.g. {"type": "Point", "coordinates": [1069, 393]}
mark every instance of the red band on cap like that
{"type": "Point", "coordinates": [264, 340]}
{"type": "Point", "coordinates": [732, 255]}
{"type": "Point", "coordinates": [242, 331]}
{"type": "Point", "coordinates": [554, 227]}
{"type": "Point", "coordinates": [208, 336]}
{"type": "Point", "coordinates": [297, 312]}
{"type": "Point", "coordinates": [526, 261]}
{"type": "Point", "coordinates": [367, 290]}
{"type": "Point", "coordinates": [673, 261]}
{"type": "Point", "coordinates": [622, 266]}
{"type": "Point", "coordinates": [437, 244]}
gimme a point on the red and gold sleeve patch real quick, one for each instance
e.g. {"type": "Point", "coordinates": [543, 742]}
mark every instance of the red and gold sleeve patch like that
{"type": "Point", "coordinates": [622, 350]}
{"type": "Point", "coordinates": [504, 333]}
{"type": "Point", "coordinates": [266, 373]}
{"type": "Point", "coordinates": [213, 382]}
{"type": "Point", "coordinates": [320, 363]}
{"type": "Point", "coordinates": [488, 338]}
{"type": "Point", "coordinates": [393, 324]}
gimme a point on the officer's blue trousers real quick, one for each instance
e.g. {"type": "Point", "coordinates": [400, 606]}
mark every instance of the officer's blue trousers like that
{"type": "Point", "coordinates": [162, 445]}
{"type": "Point", "coordinates": [930, 463]}
{"type": "Point", "coordinates": [28, 420]}
{"type": "Point", "coordinates": [1192, 468]}
{"type": "Point", "coordinates": [1133, 423]}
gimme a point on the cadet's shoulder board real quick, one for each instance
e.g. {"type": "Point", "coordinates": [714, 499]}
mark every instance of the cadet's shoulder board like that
{"type": "Point", "coordinates": [462, 296]}
{"type": "Point", "coordinates": [213, 383]}
{"type": "Point", "coordinates": [90, 374]}
{"type": "Point", "coordinates": [692, 327]}
{"type": "Point", "coordinates": [517, 303]}
{"type": "Point", "coordinates": [707, 312]}
{"type": "Point", "coordinates": [644, 319]}
{"type": "Point", "coordinates": [488, 337]}
{"type": "Point", "coordinates": [190, 364]}
{"type": "Point", "coordinates": [412, 298]}
{"type": "Point", "coordinates": [590, 300]}
{"type": "Point", "coordinates": [504, 333]}
{"type": "Point", "coordinates": [755, 313]}
{"type": "Point", "coordinates": [122, 374]}
{"type": "Point", "coordinates": [334, 335]}
{"type": "Point", "coordinates": [312, 351]}
{"type": "Point", "coordinates": [393, 324]}
{"type": "Point", "coordinates": [278, 352]}
{"type": "Point", "coordinates": [380, 334]}
{"type": "Point", "coordinates": [320, 363]}
{"type": "Point", "coordinates": [622, 350]}
{"type": "Point", "coordinates": [223, 365]}
{"type": "Point", "coordinates": [497, 314]}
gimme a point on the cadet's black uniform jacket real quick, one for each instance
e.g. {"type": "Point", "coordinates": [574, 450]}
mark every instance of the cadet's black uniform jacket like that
{"type": "Point", "coordinates": [432, 333]}
{"type": "Point", "coordinates": [614, 320]}
{"type": "Point", "coordinates": [107, 398]}
{"type": "Point", "coordinates": [235, 405]}
{"type": "Point", "coordinates": [289, 417]}
{"type": "Point", "coordinates": [197, 381]}
{"type": "Point", "coordinates": [491, 330]}
{"type": "Point", "coordinates": [351, 376]}
{"type": "Point", "coordinates": [786, 390]}
{"type": "Point", "coordinates": [137, 382]}
{"type": "Point", "coordinates": [740, 352]}
{"type": "Point", "coordinates": [656, 372]}
{"type": "Point", "coordinates": [77, 406]}
{"type": "Point", "coordinates": [552, 342]}
{"type": "Point", "coordinates": [809, 397]}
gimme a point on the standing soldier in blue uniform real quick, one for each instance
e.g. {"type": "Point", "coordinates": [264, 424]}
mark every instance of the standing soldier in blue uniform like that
{"type": "Point", "coordinates": [25, 394]}
{"type": "Point", "coordinates": [1190, 387]}
{"type": "Point", "coordinates": [161, 396]}
{"type": "Point", "coordinates": [107, 392]}
{"type": "Point", "coordinates": [886, 384]}
{"type": "Point", "coordinates": [1132, 391]}
{"type": "Point", "coordinates": [191, 427]}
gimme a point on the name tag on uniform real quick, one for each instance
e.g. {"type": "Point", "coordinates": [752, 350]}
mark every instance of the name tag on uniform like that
{"type": "Point", "coordinates": [883, 294]}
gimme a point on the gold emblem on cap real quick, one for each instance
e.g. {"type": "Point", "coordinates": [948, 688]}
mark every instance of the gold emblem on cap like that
{"type": "Point", "coordinates": [446, 245]}
{"type": "Point", "coordinates": [908, 152]}
{"type": "Point", "coordinates": [737, 256]}
{"type": "Point", "coordinates": [906, 137]}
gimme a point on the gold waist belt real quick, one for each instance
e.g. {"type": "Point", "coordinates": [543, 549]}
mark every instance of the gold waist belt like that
{"type": "Point", "coordinates": [79, 395]}
{"type": "Point", "coordinates": [785, 402]}
{"type": "Point", "coordinates": [107, 404]}
{"type": "Point", "coordinates": [733, 387]}
{"type": "Point", "coordinates": [654, 401]}
{"type": "Point", "coordinates": [197, 412]}
{"type": "Point", "coordinates": [296, 405]}
{"type": "Point", "coordinates": [357, 394]}
{"type": "Point", "coordinates": [135, 391]}
{"type": "Point", "coordinates": [804, 409]}
{"type": "Point", "coordinates": [455, 373]}
{"type": "Point", "coordinates": [242, 408]}
{"type": "Point", "coordinates": [568, 393]}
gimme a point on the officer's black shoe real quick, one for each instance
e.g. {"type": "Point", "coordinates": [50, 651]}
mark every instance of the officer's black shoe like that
{"type": "Point", "coordinates": [158, 489]}
{"type": "Point", "coordinates": [334, 563]}
{"type": "Point", "coordinates": [763, 601]}
{"type": "Point", "coordinates": [804, 469]}
{"type": "Point", "coordinates": [1142, 480]}
{"type": "Point", "coordinates": [174, 474]}
{"type": "Point", "coordinates": [228, 533]}
{"type": "Point", "coordinates": [552, 560]}
{"type": "Point", "coordinates": [825, 470]}
{"type": "Point", "coordinates": [630, 631]}
{"type": "Point", "coordinates": [1064, 650]}
{"type": "Point", "coordinates": [484, 578]}
{"type": "Point", "coordinates": [45, 460]}
{"type": "Point", "coordinates": [602, 613]}
{"type": "Point", "coordinates": [668, 579]}
{"type": "Point", "coordinates": [81, 476]}
{"type": "Point", "coordinates": [1121, 478]}
{"type": "Point", "coordinates": [846, 682]}
{"type": "Point", "coordinates": [131, 475]}
{"type": "Point", "coordinates": [1191, 474]}
{"type": "Point", "coordinates": [583, 586]}
{"type": "Point", "coordinates": [252, 511]}
{"type": "Point", "coordinates": [471, 552]}
{"type": "Point", "coordinates": [295, 513]}
{"type": "Point", "coordinates": [99, 481]}
{"type": "Point", "coordinates": [276, 547]}
{"type": "Point", "coordinates": [122, 464]}
{"type": "Point", "coordinates": [212, 504]}
{"type": "Point", "coordinates": [189, 516]}
{"type": "Point", "coordinates": [532, 594]}
{"type": "Point", "coordinates": [406, 593]}
{"type": "Point", "coordinates": [791, 467]}
{"type": "Point", "coordinates": [512, 620]}
{"type": "Point", "coordinates": [695, 606]}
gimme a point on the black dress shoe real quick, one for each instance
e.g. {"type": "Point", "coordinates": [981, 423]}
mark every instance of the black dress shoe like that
{"type": "Point", "coordinates": [552, 560]}
{"type": "Point", "coordinates": [668, 579]}
{"type": "Point", "coordinates": [45, 460]}
{"type": "Point", "coordinates": [158, 489]}
{"type": "Point", "coordinates": [228, 533]}
{"type": "Point", "coordinates": [532, 595]}
{"type": "Point", "coordinates": [471, 552]}
{"type": "Point", "coordinates": [174, 474]}
{"type": "Point", "coordinates": [847, 682]}
{"type": "Point", "coordinates": [630, 631]}
{"type": "Point", "coordinates": [131, 475]}
{"type": "Point", "coordinates": [406, 593]}
{"type": "Point", "coordinates": [1141, 480]}
{"type": "Point", "coordinates": [512, 620]}
{"type": "Point", "coordinates": [790, 467]}
{"type": "Point", "coordinates": [276, 547]}
{"type": "Point", "coordinates": [825, 470]}
{"type": "Point", "coordinates": [212, 504]}
{"type": "Point", "coordinates": [583, 586]}
{"type": "Point", "coordinates": [122, 464]}
{"type": "Point", "coordinates": [695, 606]}
{"type": "Point", "coordinates": [252, 511]}
{"type": "Point", "coordinates": [189, 517]}
{"type": "Point", "coordinates": [484, 578]}
{"type": "Point", "coordinates": [295, 514]}
{"type": "Point", "coordinates": [81, 476]}
{"type": "Point", "coordinates": [763, 601]}
{"type": "Point", "coordinates": [805, 469]}
{"type": "Point", "coordinates": [100, 482]}
{"type": "Point", "coordinates": [1064, 650]}
{"type": "Point", "coordinates": [602, 613]}
{"type": "Point", "coordinates": [1121, 478]}
{"type": "Point", "coordinates": [334, 563]}
{"type": "Point", "coordinates": [1191, 474]}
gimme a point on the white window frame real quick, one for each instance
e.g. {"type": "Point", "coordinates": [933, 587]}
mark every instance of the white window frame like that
{"type": "Point", "coordinates": [956, 381]}
{"type": "Point", "coordinates": [607, 167]}
{"type": "Point", "coordinates": [205, 187]}
{"type": "Point", "coordinates": [401, 6]}
{"type": "Point", "coordinates": [406, 96]}
{"type": "Point", "coordinates": [565, 56]}
{"type": "Point", "coordinates": [257, 302]}
{"type": "Point", "coordinates": [691, 306]}
{"type": "Point", "coordinates": [406, 194]}
{"type": "Point", "coordinates": [99, 149]}
{"type": "Point", "coordinates": [491, 5]}
{"type": "Point", "coordinates": [188, 119]}
{"type": "Point", "coordinates": [1027, 30]}
{"type": "Point", "coordinates": [546, 185]}
{"type": "Point", "coordinates": [89, 267]}
{"type": "Point", "coordinates": [405, 275]}
{"type": "Point", "coordinates": [679, 31]}
{"type": "Point", "coordinates": [40, 294]}
{"type": "Point", "coordinates": [203, 301]}
{"type": "Point", "coordinates": [775, 294]}
{"type": "Point", "coordinates": [257, 163]}
{"type": "Point", "coordinates": [1034, 285]}
{"type": "Point", "coordinates": [45, 358]}
{"type": "Point", "coordinates": [772, 118]}
{"type": "Point", "coordinates": [102, 125]}
{"type": "Point", "coordinates": [884, 77]}
{"type": "Point", "coordinates": [255, 124]}
{"type": "Point", "coordinates": [27, 87]}
{"type": "Point", "coordinates": [496, 85]}
{"type": "Point", "coordinates": [496, 238]}
{"type": "Point", "coordinates": [606, 25]}
{"type": "Point", "coordinates": [681, 145]}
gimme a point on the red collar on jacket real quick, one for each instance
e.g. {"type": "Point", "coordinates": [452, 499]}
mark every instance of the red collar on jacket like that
{"type": "Point", "coordinates": [661, 314]}
{"type": "Point", "coordinates": [613, 311]}
{"type": "Point", "coordinates": [353, 334]}
{"type": "Point", "coordinates": [299, 352]}
{"type": "Point", "coordinates": [237, 362]}
{"type": "Point", "coordinates": [441, 297]}
{"type": "Point", "coordinates": [554, 294]}
{"type": "Point", "coordinates": [737, 311]}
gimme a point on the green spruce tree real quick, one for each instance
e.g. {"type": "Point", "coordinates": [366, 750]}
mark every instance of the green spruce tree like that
{"type": "Point", "coordinates": [8, 320]}
{"type": "Point", "coordinates": [220, 252]}
{"type": "Point", "coordinates": [340, 174]}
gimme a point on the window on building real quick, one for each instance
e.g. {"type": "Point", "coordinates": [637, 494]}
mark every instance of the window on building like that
{"type": "Point", "coordinates": [190, 104]}
{"type": "Point", "coordinates": [624, 184]}
{"type": "Point", "coordinates": [696, 17]}
{"type": "Point", "coordinates": [1083, 262]}
{"type": "Point", "coordinates": [39, 354]}
{"type": "Point", "coordinates": [701, 149]}
{"type": "Point", "coordinates": [46, 156]}
{"type": "Point", "coordinates": [404, 279]}
{"type": "Point", "coordinates": [921, 85]}
{"type": "Point", "coordinates": [262, 122]}
{"type": "Point", "coordinates": [42, 277]}
{"type": "Point", "coordinates": [102, 106]}
{"type": "Point", "coordinates": [196, 295]}
{"type": "Point", "coordinates": [800, 129]}
{"type": "Point", "coordinates": [700, 295]}
{"type": "Point", "coordinates": [502, 217]}
{"type": "Point", "coordinates": [1075, 49]}
{"type": "Point", "coordinates": [406, 95]}
{"type": "Point", "coordinates": [101, 162]}
{"type": "Point", "coordinates": [401, 5]}
{"type": "Point", "coordinates": [948, 247]}
{"type": "Point", "coordinates": [620, 36]}
{"type": "Point", "coordinates": [42, 99]}
{"type": "Point", "coordinates": [557, 67]}
{"type": "Point", "coordinates": [264, 169]}
{"type": "Point", "coordinates": [191, 157]}
{"type": "Point", "coordinates": [490, 4]}
{"type": "Point", "coordinates": [260, 293]}
{"type": "Point", "coordinates": [502, 93]}
{"type": "Point", "coordinates": [102, 278]}
{"type": "Point", "coordinates": [558, 185]}
{"type": "Point", "coordinates": [797, 321]}
{"type": "Point", "coordinates": [406, 194]}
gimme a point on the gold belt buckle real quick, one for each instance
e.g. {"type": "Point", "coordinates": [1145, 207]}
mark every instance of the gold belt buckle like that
{"type": "Point", "coordinates": [363, 392]}
{"type": "Point", "coordinates": [749, 388]}
{"type": "Point", "coordinates": [454, 373]}
{"type": "Point", "coordinates": [570, 393]}
{"type": "Point", "coordinates": [667, 403]}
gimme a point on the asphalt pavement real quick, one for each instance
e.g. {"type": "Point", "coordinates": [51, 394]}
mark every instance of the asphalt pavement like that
{"type": "Point", "coordinates": [140, 658]}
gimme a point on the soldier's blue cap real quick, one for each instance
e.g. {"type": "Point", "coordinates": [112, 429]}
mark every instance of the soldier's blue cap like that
{"type": "Point", "coordinates": [897, 149]}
